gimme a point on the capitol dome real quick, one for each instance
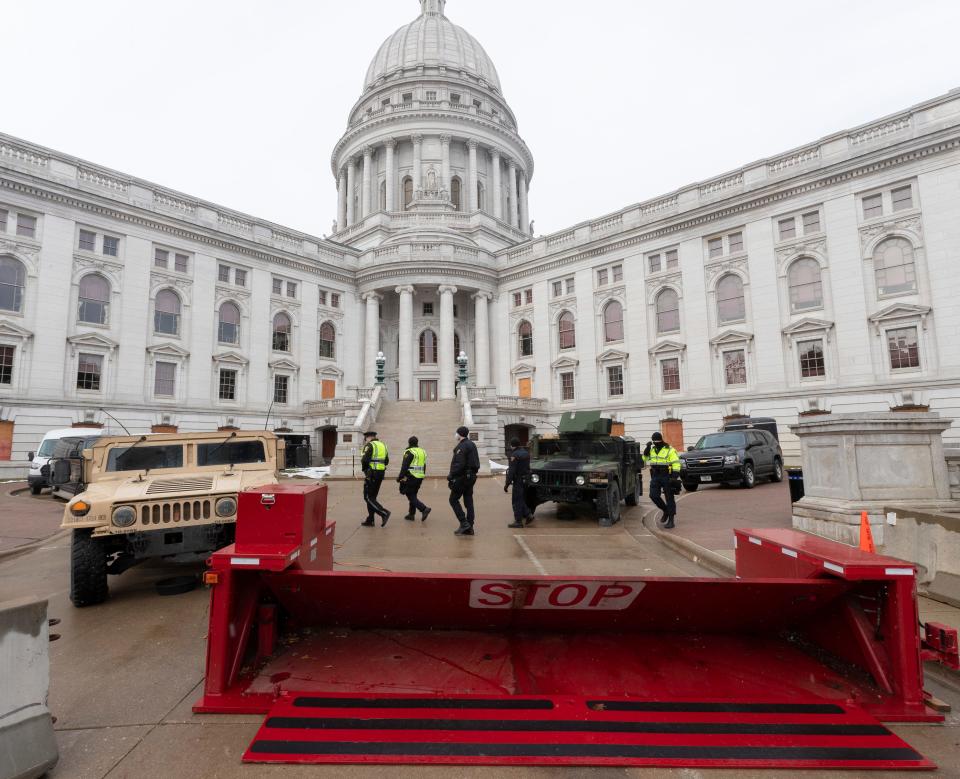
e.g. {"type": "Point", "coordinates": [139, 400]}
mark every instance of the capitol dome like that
{"type": "Point", "coordinates": [431, 41]}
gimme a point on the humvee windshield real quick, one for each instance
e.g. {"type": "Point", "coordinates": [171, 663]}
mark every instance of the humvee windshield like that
{"type": "Point", "coordinates": [231, 453]}
{"type": "Point", "coordinates": [575, 448]}
{"type": "Point", "coordinates": [716, 440]}
{"type": "Point", "coordinates": [143, 458]}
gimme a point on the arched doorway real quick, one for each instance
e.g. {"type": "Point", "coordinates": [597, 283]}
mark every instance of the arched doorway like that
{"type": "Point", "coordinates": [521, 432]}
{"type": "Point", "coordinates": [326, 444]}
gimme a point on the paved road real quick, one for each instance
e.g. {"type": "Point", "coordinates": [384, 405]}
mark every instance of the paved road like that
{"type": "Point", "coordinates": [124, 675]}
{"type": "Point", "coordinates": [26, 518]}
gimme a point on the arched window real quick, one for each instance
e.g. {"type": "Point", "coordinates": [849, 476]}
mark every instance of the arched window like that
{"type": "Point", "coordinates": [668, 311]}
{"type": "Point", "coordinates": [894, 265]}
{"type": "Point", "coordinates": [612, 322]}
{"type": "Point", "coordinates": [94, 299]}
{"type": "Point", "coordinates": [428, 348]}
{"type": "Point", "coordinates": [12, 277]}
{"type": "Point", "coordinates": [480, 196]}
{"type": "Point", "coordinates": [228, 331]}
{"type": "Point", "coordinates": [328, 341]}
{"type": "Point", "coordinates": [407, 192]}
{"type": "Point", "coordinates": [730, 302]}
{"type": "Point", "coordinates": [456, 193]}
{"type": "Point", "coordinates": [281, 333]}
{"type": "Point", "coordinates": [166, 314]}
{"type": "Point", "coordinates": [806, 289]}
{"type": "Point", "coordinates": [525, 334]}
{"type": "Point", "coordinates": [567, 331]}
{"type": "Point", "coordinates": [456, 347]}
{"type": "Point", "coordinates": [383, 195]}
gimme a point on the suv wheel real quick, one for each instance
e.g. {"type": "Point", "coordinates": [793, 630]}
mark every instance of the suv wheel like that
{"type": "Point", "coordinates": [777, 471]}
{"type": "Point", "coordinates": [749, 476]}
{"type": "Point", "coordinates": [634, 497]}
{"type": "Point", "coordinates": [691, 486]}
{"type": "Point", "coordinates": [609, 506]}
{"type": "Point", "coordinates": [88, 570]}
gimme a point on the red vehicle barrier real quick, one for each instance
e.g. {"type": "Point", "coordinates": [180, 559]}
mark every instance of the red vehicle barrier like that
{"type": "Point", "coordinates": [788, 665]}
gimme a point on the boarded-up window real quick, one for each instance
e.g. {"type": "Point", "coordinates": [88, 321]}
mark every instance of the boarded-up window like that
{"type": "Point", "coordinates": [328, 389]}
{"type": "Point", "coordinates": [525, 388]}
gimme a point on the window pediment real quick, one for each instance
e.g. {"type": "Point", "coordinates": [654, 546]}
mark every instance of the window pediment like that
{"type": "Point", "coordinates": [330, 371]}
{"type": "Point", "coordinates": [564, 362]}
{"type": "Point", "coordinates": [168, 350]}
{"type": "Point", "coordinates": [731, 337]}
{"type": "Point", "coordinates": [612, 355]}
{"type": "Point", "coordinates": [900, 311]}
{"type": "Point", "coordinates": [230, 358]}
{"type": "Point", "coordinates": [284, 365]}
{"type": "Point", "coordinates": [92, 341]}
{"type": "Point", "coordinates": [523, 368]}
{"type": "Point", "coordinates": [808, 325]}
{"type": "Point", "coordinates": [667, 347]}
{"type": "Point", "coordinates": [11, 330]}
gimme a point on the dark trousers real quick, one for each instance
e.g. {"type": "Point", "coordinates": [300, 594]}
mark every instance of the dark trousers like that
{"type": "Point", "coordinates": [661, 485]}
{"type": "Point", "coordinates": [371, 489]}
{"type": "Point", "coordinates": [411, 487]}
{"type": "Point", "coordinates": [519, 500]}
{"type": "Point", "coordinates": [462, 489]}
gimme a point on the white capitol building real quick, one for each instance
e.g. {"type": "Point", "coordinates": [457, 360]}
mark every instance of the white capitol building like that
{"type": "Point", "coordinates": [821, 280]}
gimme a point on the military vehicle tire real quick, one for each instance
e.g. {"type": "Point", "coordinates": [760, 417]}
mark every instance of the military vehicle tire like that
{"type": "Point", "coordinates": [691, 486]}
{"type": "Point", "coordinates": [88, 570]}
{"type": "Point", "coordinates": [749, 476]}
{"type": "Point", "coordinates": [35, 489]}
{"type": "Point", "coordinates": [609, 505]}
{"type": "Point", "coordinates": [634, 497]}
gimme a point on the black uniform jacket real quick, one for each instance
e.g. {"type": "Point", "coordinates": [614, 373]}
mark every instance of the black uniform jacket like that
{"type": "Point", "coordinates": [466, 461]}
{"type": "Point", "coordinates": [519, 466]}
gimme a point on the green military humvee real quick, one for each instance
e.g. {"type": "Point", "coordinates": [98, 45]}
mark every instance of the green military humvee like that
{"type": "Point", "coordinates": [582, 463]}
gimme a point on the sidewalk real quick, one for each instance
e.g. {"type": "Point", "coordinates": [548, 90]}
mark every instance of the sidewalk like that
{"type": "Point", "coordinates": [26, 519]}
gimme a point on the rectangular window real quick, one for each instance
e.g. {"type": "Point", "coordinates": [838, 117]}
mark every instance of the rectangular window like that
{"type": "Point", "coordinates": [180, 263]}
{"type": "Point", "coordinates": [654, 262]}
{"type": "Point", "coordinates": [617, 272]}
{"type": "Point", "coordinates": [165, 379]}
{"type": "Point", "coordinates": [223, 274]}
{"type": "Point", "coordinates": [281, 385]}
{"type": "Point", "coordinates": [557, 289]}
{"type": "Point", "coordinates": [323, 298]}
{"type": "Point", "coordinates": [902, 198]}
{"type": "Point", "coordinates": [335, 300]}
{"type": "Point", "coordinates": [291, 289]}
{"type": "Point", "coordinates": [670, 374]}
{"type": "Point", "coordinates": [812, 364]}
{"type": "Point", "coordinates": [407, 98]}
{"type": "Point", "coordinates": [736, 242]}
{"type": "Point", "coordinates": [6, 364]}
{"type": "Point", "coordinates": [673, 259]}
{"type": "Point", "coordinates": [455, 98]}
{"type": "Point", "coordinates": [811, 223]}
{"type": "Point", "coordinates": [715, 247]}
{"type": "Point", "coordinates": [111, 246]}
{"type": "Point", "coordinates": [431, 95]}
{"type": "Point", "coordinates": [872, 206]}
{"type": "Point", "coordinates": [904, 348]}
{"type": "Point", "coordinates": [477, 104]}
{"type": "Point", "coordinates": [602, 277]}
{"type": "Point", "coordinates": [277, 287]}
{"type": "Point", "coordinates": [528, 296]}
{"type": "Point", "coordinates": [385, 103]}
{"type": "Point", "coordinates": [26, 226]}
{"type": "Point", "coordinates": [456, 311]}
{"type": "Point", "coordinates": [88, 241]}
{"type": "Point", "coordinates": [161, 258]}
{"type": "Point", "coordinates": [240, 277]}
{"type": "Point", "coordinates": [615, 381]}
{"type": "Point", "coordinates": [517, 299]}
{"type": "Point", "coordinates": [3, 220]}
{"type": "Point", "coordinates": [89, 371]}
{"type": "Point", "coordinates": [735, 367]}
{"type": "Point", "coordinates": [570, 286]}
{"type": "Point", "coordinates": [428, 309]}
{"type": "Point", "coordinates": [566, 386]}
{"type": "Point", "coordinates": [228, 385]}
{"type": "Point", "coordinates": [788, 228]}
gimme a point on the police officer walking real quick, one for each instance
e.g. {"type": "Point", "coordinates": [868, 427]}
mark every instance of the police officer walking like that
{"type": "Point", "coordinates": [413, 469]}
{"type": "Point", "coordinates": [374, 462]}
{"type": "Point", "coordinates": [516, 476]}
{"type": "Point", "coordinates": [462, 477]}
{"type": "Point", "coordinates": [664, 463]}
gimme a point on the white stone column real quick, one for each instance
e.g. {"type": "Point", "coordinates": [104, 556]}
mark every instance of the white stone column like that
{"type": "Point", "coordinates": [524, 204]}
{"type": "Point", "coordinates": [342, 200]}
{"type": "Point", "coordinates": [472, 200]}
{"type": "Point", "coordinates": [351, 191]}
{"type": "Point", "coordinates": [365, 209]}
{"type": "Point", "coordinates": [417, 163]}
{"type": "Point", "coordinates": [445, 357]}
{"type": "Point", "coordinates": [406, 343]}
{"type": "Point", "coordinates": [481, 360]}
{"type": "Point", "coordinates": [445, 163]}
{"type": "Point", "coordinates": [512, 202]}
{"type": "Point", "coordinates": [371, 338]}
{"type": "Point", "coordinates": [391, 180]}
{"type": "Point", "coordinates": [497, 194]}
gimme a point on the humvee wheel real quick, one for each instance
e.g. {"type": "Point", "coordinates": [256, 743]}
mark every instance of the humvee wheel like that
{"type": "Point", "coordinates": [35, 489]}
{"type": "Point", "coordinates": [88, 570]}
{"type": "Point", "coordinates": [634, 497]}
{"type": "Point", "coordinates": [608, 505]}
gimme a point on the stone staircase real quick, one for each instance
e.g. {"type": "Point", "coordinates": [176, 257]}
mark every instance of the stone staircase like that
{"type": "Point", "coordinates": [435, 424]}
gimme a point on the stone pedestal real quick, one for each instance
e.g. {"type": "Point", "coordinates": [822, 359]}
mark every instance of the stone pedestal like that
{"type": "Point", "coordinates": [871, 462]}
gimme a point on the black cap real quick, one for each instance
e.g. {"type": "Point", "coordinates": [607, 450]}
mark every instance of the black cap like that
{"type": "Point", "coordinates": [514, 442]}
{"type": "Point", "coordinates": [463, 432]}
{"type": "Point", "coordinates": [656, 437]}
{"type": "Point", "coordinates": [413, 441]}
{"type": "Point", "coordinates": [370, 434]}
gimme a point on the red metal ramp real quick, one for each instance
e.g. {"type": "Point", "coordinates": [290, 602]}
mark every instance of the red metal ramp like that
{"type": "Point", "coordinates": [572, 730]}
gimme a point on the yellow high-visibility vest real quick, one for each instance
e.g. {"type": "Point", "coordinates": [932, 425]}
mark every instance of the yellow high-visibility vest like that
{"type": "Point", "coordinates": [378, 456]}
{"type": "Point", "coordinates": [666, 457]}
{"type": "Point", "coordinates": [418, 465]}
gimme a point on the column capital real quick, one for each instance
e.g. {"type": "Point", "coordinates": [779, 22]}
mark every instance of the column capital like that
{"type": "Point", "coordinates": [482, 296]}
{"type": "Point", "coordinates": [417, 139]}
{"type": "Point", "coordinates": [351, 161]}
{"type": "Point", "coordinates": [368, 151]}
{"type": "Point", "coordinates": [494, 152]}
{"type": "Point", "coordinates": [408, 289]}
{"type": "Point", "coordinates": [445, 288]}
{"type": "Point", "coordinates": [445, 139]}
{"type": "Point", "coordinates": [511, 163]}
{"type": "Point", "coordinates": [390, 143]}
{"type": "Point", "coordinates": [473, 143]}
{"type": "Point", "coordinates": [368, 296]}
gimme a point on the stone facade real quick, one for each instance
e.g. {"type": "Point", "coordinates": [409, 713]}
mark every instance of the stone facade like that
{"type": "Point", "coordinates": [820, 280]}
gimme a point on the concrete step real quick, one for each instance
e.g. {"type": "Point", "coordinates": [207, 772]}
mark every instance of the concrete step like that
{"type": "Point", "coordinates": [435, 424]}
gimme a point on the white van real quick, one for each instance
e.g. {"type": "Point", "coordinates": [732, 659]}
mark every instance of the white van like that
{"type": "Point", "coordinates": [41, 457]}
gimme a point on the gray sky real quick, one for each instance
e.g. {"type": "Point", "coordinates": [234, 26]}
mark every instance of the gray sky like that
{"type": "Point", "coordinates": [241, 102]}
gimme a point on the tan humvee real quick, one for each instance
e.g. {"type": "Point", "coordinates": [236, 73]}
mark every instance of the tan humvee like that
{"type": "Point", "coordinates": [167, 495]}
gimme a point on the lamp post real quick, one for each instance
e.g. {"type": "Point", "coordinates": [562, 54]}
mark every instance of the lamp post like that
{"type": "Point", "coordinates": [462, 365]}
{"type": "Point", "coordinates": [381, 368]}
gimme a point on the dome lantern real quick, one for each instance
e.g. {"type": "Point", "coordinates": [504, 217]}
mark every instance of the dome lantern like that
{"type": "Point", "coordinates": [432, 7]}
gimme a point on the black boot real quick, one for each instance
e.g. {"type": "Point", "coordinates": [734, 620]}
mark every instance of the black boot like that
{"type": "Point", "coordinates": [426, 513]}
{"type": "Point", "coordinates": [368, 523]}
{"type": "Point", "coordinates": [384, 519]}
{"type": "Point", "coordinates": [516, 523]}
{"type": "Point", "coordinates": [670, 524]}
{"type": "Point", "coordinates": [464, 529]}
{"type": "Point", "coordinates": [409, 517]}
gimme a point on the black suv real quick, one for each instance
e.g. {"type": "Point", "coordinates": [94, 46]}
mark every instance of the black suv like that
{"type": "Point", "coordinates": [732, 457]}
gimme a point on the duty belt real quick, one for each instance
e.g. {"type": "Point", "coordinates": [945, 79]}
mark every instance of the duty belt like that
{"type": "Point", "coordinates": [660, 470]}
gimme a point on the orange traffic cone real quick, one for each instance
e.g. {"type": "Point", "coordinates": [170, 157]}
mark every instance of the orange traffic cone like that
{"type": "Point", "coordinates": [866, 536]}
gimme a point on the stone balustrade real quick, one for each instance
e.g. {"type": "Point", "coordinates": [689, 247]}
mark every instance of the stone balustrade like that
{"type": "Point", "coordinates": [522, 404]}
